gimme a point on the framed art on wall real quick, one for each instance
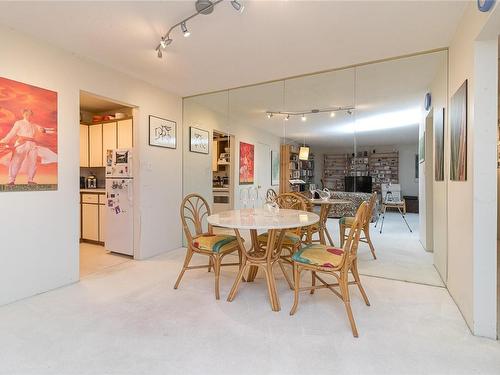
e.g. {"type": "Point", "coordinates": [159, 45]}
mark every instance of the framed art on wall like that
{"type": "Point", "coordinates": [458, 134]}
{"type": "Point", "coordinates": [28, 137]}
{"type": "Point", "coordinates": [162, 132]}
{"type": "Point", "coordinates": [275, 168]}
{"type": "Point", "coordinates": [246, 163]}
{"type": "Point", "coordinates": [198, 140]}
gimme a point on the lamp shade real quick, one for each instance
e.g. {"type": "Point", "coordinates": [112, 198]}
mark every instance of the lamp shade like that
{"type": "Point", "coordinates": [304, 153]}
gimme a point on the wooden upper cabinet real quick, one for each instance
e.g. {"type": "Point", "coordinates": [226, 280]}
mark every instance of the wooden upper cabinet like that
{"type": "Point", "coordinates": [95, 141]}
{"type": "Point", "coordinates": [108, 139]}
{"type": "Point", "coordinates": [125, 133]}
{"type": "Point", "coordinates": [84, 146]}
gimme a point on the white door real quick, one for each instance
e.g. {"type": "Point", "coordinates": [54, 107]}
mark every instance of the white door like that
{"type": "Point", "coordinates": [118, 214]}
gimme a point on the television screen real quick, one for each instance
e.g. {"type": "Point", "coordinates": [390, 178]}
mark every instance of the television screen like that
{"type": "Point", "coordinates": [358, 184]}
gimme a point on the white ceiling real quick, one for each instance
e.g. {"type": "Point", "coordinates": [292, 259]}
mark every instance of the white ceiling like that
{"type": "Point", "coordinates": [391, 87]}
{"type": "Point", "coordinates": [270, 40]}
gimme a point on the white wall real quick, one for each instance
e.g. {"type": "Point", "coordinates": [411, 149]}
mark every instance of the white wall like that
{"type": "Point", "coordinates": [439, 93]}
{"type": "Point", "coordinates": [48, 257]}
{"type": "Point", "coordinates": [460, 259]}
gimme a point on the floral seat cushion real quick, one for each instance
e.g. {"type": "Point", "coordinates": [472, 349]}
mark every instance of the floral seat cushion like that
{"type": "Point", "coordinates": [218, 243]}
{"type": "Point", "coordinates": [319, 255]}
{"type": "Point", "coordinates": [290, 238]}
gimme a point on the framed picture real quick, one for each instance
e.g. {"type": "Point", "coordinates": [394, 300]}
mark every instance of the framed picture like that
{"type": "Point", "coordinates": [162, 132]}
{"type": "Point", "coordinates": [198, 140]}
{"type": "Point", "coordinates": [421, 148]}
{"type": "Point", "coordinates": [439, 146]}
{"type": "Point", "coordinates": [275, 168]}
{"type": "Point", "coordinates": [27, 163]}
{"type": "Point", "coordinates": [458, 134]}
{"type": "Point", "coordinates": [246, 163]}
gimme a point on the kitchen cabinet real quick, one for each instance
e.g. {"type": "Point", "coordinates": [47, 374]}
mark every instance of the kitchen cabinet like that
{"type": "Point", "coordinates": [108, 139]}
{"type": "Point", "coordinates": [125, 134]}
{"type": "Point", "coordinates": [96, 139]}
{"type": "Point", "coordinates": [90, 222]}
{"type": "Point", "coordinates": [95, 146]}
{"type": "Point", "coordinates": [84, 146]}
{"type": "Point", "coordinates": [93, 223]}
{"type": "Point", "coordinates": [215, 155]}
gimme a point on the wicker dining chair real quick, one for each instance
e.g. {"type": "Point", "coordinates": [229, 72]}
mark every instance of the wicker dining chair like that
{"type": "Point", "coordinates": [194, 209]}
{"type": "Point", "coordinates": [336, 262]}
{"type": "Point", "coordinates": [271, 195]}
{"type": "Point", "coordinates": [292, 239]}
{"type": "Point", "coordinates": [346, 222]}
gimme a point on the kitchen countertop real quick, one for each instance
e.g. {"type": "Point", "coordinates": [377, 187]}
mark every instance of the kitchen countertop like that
{"type": "Point", "coordinates": [95, 191]}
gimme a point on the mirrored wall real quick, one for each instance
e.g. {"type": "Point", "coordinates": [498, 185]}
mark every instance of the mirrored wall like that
{"type": "Point", "coordinates": [362, 127]}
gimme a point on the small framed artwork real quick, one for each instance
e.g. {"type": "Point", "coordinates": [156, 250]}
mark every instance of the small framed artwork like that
{"type": "Point", "coordinates": [162, 132]}
{"type": "Point", "coordinates": [275, 168]}
{"type": "Point", "coordinates": [198, 140]}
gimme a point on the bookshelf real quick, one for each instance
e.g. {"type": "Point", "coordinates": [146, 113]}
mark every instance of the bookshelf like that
{"type": "Point", "coordinates": [383, 167]}
{"type": "Point", "coordinates": [291, 168]}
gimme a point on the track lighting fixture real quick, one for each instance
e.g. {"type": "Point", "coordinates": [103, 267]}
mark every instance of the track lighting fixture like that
{"type": "Point", "coordinates": [286, 115]}
{"type": "Point", "coordinates": [238, 6]}
{"type": "Point", "coordinates": [204, 7]}
{"type": "Point", "coordinates": [185, 30]}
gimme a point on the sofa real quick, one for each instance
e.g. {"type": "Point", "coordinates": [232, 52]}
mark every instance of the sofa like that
{"type": "Point", "coordinates": [339, 210]}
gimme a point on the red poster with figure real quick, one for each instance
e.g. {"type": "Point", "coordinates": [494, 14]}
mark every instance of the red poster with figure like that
{"type": "Point", "coordinates": [246, 163]}
{"type": "Point", "coordinates": [28, 137]}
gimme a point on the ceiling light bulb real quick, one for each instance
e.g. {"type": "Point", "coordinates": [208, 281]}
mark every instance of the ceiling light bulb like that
{"type": "Point", "coordinates": [332, 114]}
{"type": "Point", "coordinates": [238, 6]}
{"type": "Point", "coordinates": [303, 118]}
{"type": "Point", "coordinates": [160, 54]}
{"type": "Point", "coordinates": [185, 30]}
{"type": "Point", "coordinates": [287, 117]}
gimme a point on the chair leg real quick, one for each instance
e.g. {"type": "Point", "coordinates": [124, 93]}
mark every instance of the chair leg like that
{"type": "Point", "coordinates": [355, 273]}
{"type": "Point", "coordinates": [344, 288]}
{"type": "Point", "coordinates": [342, 234]}
{"type": "Point", "coordinates": [313, 281]}
{"type": "Point", "coordinates": [296, 275]}
{"type": "Point", "coordinates": [189, 255]}
{"type": "Point", "coordinates": [237, 282]}
{"type": "Point", "coordinates": [217, 262]}
{"type": "Point", "coordinates": [210, 264]}
{"type": "Point", "coordinates": [275, 303]}
{"type": "Point", "coordinates": [366, 230]}
{"type": "Point", "coordinates": [290, 284]}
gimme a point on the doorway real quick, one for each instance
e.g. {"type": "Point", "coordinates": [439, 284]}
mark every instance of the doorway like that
{"type": "Point", "coordinates": [223, 163]}
{"type": "Point", "coordinates": [106, 209]}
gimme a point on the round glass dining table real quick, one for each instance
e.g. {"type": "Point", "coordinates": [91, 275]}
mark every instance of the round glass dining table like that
{"type": "Point", "coordinates": [326, 205]}
{"type": "Point", "coordinates": [261, 256]}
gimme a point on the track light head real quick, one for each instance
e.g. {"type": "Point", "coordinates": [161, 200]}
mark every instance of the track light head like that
{"type": "Point", "coordinates": [160, 54]}
{"type": "Point", "coordinates": [287, 117]}
{"type": "Point", "coordinates": [165, 42]}
{"type": "Point", "coordinates": [349, 112]}
{"type": "Point", "coordinates": [269, 115]}
{"type": "Point", "coordinates": [237, 6]}
{"type": "Point", "coordinates": [185, 30]}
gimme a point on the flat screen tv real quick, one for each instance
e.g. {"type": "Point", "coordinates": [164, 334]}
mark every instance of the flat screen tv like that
{"type": "Point", "coordinates": [358, 184]}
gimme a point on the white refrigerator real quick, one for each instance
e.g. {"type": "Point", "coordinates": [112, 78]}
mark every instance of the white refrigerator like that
{"type": "Point", "coordinates": [119, 218]}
